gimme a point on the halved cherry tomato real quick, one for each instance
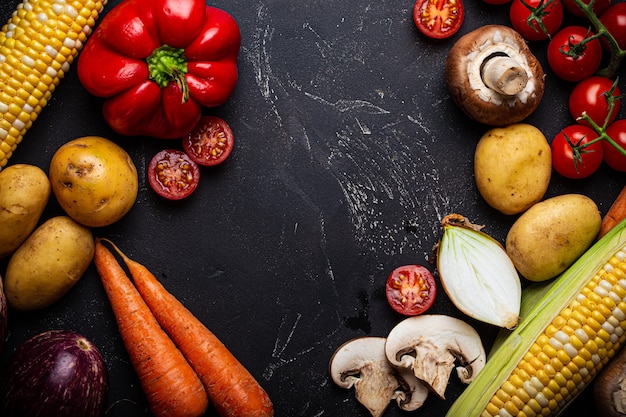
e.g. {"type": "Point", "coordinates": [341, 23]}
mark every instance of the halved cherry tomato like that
{"type": "Point", "coordinates": [411, 290]}
{"type": "Point", "coordinates": [438, 18]}
{"type": "Point", "coordinates": [612, 156]}
{"type": "Point", "coordinates": [569, 158]}
{"type": "Point", "coordinates": [172, 174]}
{"type": "Point", "coordinates": [590, 96]}
{"type": "Point", "coordinates": [570, 59]}
{"type": "Point", "coordinates": [527, 17]}
{"type": "Point", "coordinates": [210, 142]}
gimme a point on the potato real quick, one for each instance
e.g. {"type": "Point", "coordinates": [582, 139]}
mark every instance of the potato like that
{"type": "Point", "coordinates": [94, 180]}
{"type": "Point", "coordinates": [24, 193]}
{"type": "Point", "coordinates": [552, 234]}
{"type": "Point", "coordinates": [512, 167]}
{"type": "Point", "coordinates": [48, 264]}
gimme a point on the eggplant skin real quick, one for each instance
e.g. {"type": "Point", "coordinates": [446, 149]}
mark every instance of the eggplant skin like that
{"type": "Point", "coordinates": [57, 373]}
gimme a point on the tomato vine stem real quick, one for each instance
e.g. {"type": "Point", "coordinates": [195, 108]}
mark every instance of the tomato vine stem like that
{"type": "Point", "coordinates": [601, 130]}
{"type": "Point", "coordinates": [617, 54]}
{"type": "Point", "coordinates": [537, 14]}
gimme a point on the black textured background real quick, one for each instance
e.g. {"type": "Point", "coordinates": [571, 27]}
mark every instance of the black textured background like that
{"type": "Point", "coordinates": [348, 153]}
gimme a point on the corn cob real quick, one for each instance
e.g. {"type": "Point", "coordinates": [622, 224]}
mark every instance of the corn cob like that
{"type": "Point", "coordinates": [37, 46]}
{"type": "Point", "coordinates": [562, 342]}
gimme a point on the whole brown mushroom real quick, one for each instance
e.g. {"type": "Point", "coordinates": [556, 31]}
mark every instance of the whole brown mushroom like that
{"type": "Point", "coordinates": [493, 76]}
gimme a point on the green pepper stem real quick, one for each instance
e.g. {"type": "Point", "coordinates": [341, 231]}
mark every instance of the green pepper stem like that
{"type": "Point", "coordinates": [168, 64]}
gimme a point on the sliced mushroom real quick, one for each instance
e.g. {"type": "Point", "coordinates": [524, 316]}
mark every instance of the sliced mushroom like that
{"type": "Point", "coordinates": [432, 345]}
{"type": "Point", "coordinates": [361, 363]}
{"type": "Point", "coordinates": [493, 76]}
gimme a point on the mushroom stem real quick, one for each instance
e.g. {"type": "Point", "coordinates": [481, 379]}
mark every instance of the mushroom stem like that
{"type": "Point", "coordinates": [504, 75]}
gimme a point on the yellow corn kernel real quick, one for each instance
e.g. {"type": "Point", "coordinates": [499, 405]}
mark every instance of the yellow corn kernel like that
{"type": "Point", "coordinates": [522, 394]}
{"type": "Point", "coordinates": [491, 410]}
{"type": "Point", "coordinates": [37, 45]}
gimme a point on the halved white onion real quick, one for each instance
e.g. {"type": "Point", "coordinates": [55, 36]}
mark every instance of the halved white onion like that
{"type": "Point", "coordinates": [477, 274]}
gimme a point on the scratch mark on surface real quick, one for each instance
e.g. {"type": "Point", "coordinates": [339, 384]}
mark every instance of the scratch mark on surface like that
{"type": "Point", "coordinates": [420, 122]}
{"type": "Point", "coordinates": [322, 45]}
{"type": "Point", "coordinates": [346, 105]}
{"type": "Point", "coordinates": [260, 56]}
{"type": "Point", "coordinates": [280, 346]}
{"type": "Point", "coordinates": [329, 267]}
{"type": "Point", "coordinates": [364, 129]}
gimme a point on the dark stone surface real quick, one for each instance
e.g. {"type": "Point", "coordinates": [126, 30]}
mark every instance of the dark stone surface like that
{"type": "Point", "coordinates": [349, 151]}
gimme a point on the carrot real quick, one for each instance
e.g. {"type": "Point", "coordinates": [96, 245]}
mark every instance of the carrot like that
{"type": "Point", "coordinates": [171, 386]}
{"type": "Point", "coordinates": [232, 389]}
{"type": "Point", "coordinates": [616, 213]}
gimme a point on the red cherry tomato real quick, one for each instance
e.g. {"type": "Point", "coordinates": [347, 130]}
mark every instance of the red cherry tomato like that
{"type": "Point", "coordinates": [571, 161]}
{"type": "Point", "coordinates": [612, 156]}
{"type": "Point", "coordinates": [411, 289]}
{"type": "Point", "coordinates": [589, 96]}
{"type": "Point", "coordinates": [438, 18]}
{"type": "Point", "coordinates": [546, 12]}
{"type": "Point", "coordinates": [172, 174]}
{"type": "Point", "coordinates": [599, 6]}
{"type": "Point", "coordinates": [570, 59]}
{"type": "Point", "coordinates": [210, 142]}
{"type": "Point", "coordinates": [614, 19]}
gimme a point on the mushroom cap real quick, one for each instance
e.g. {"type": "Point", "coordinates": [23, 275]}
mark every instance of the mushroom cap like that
{"type": "Point", "coordinates": [432, 345]}
{"type": "Point", "coordinates": [361, 363]}
{"type": "Point", "coordinates": [469, 91]}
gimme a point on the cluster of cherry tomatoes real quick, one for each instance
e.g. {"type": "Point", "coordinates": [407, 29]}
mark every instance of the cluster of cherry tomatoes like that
{"type": "Point", "coordinates": [574, 54]}
{"type": "Point", "coordinates": [579, 149]}
{"type": "Point", "coordinates": [174, 174]}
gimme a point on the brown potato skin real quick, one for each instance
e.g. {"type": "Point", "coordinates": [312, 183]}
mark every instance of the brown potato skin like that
{"type": "Point", "coordinates": [551, 235]}
{"type": "Point", "coordinates": [24, 194]}
{"type": "Point", "coordinates": [94, 180]}
{"type": "Point", "coordinates": [512, 167]}
{"type": "Point", "coordinates": [48, 264]}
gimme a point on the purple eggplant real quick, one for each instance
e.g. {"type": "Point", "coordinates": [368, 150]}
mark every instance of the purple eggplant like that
{"type": "Point", "coordinates": [55, 374]}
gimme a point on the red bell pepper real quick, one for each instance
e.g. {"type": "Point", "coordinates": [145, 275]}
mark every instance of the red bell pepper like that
{"type": "Point", "coordinates": [158, 62]}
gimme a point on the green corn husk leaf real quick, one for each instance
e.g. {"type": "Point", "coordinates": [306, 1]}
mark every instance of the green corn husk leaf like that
{"type": "Point", "coordinates": [563, 290]}
{"type": "Point", "coordinates": [477, 274]}
{"type": "Point", "coordinates": [531, 295]}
